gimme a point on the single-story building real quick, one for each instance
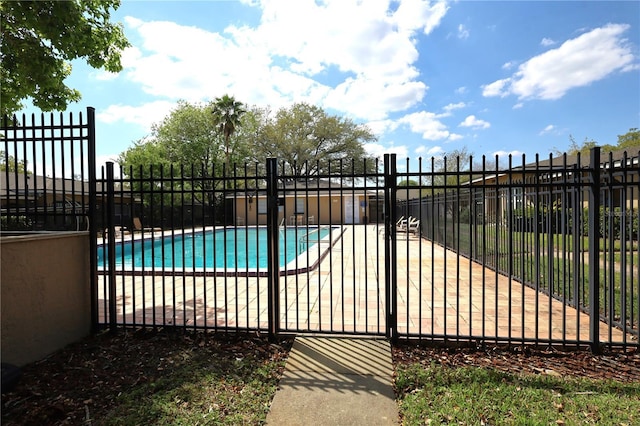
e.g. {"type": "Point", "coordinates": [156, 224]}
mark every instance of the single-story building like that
{"type": "Point", "coordinates": [310, 201]}
{"type": "Point", "coordinates": [55, 203]}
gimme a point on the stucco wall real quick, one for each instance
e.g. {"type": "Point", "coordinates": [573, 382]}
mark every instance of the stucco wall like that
{"type": "Point", "coordinates": [46, 299]}
{"type": "Point", "coordinates": [325, 209]}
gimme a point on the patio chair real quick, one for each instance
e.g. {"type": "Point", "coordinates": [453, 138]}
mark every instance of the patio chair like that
{"type": "Point", "coordinates": [414, 227]}
{"type": "Point", "coordinates": [409, 226]}
{"type": "Point", "coordinates": [311, 220]}
{"type": "Point", "coordinates": [137, 226]}
{"type": "Point", "coordinates": [399, 223]}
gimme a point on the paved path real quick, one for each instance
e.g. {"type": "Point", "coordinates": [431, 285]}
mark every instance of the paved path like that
{"type": "Point", "coordinates": [336, 381]}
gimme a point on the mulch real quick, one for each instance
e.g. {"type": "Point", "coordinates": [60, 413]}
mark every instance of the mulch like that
{"type": "Point", "coordinates": [618, 365]}
{"type": "Point", "coordinates": [79, 384]}
{"type": "Point", "coordinates": [83, 380]}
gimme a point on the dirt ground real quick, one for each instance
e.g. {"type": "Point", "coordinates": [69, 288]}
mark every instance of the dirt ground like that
{"type": "Point", "coordinates": [85, 378]}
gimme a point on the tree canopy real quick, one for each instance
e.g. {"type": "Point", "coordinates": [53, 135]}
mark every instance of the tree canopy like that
{"type": "Point", "coordinates": [187, 136]}
{"type": "Point", "coordinates": [226, 118]}
{"type": "Point", "coordinates": [304, 137]}
{"type": "Point", "coordinates": [629, 141]}
{"type": "Point", "coordinates": [307, 139]}
{"type": "Point", "coordinates": [9, 163]}
{"type": "Point", "coordinates": [40, 38]}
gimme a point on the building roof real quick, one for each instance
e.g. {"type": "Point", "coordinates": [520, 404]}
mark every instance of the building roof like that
{"type": "Point", "coordinates": [33, 186]}
{"type": "Point", "coordinates": [583, 160]}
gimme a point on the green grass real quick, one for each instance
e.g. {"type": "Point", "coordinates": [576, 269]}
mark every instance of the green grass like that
{"type": "Point", "coordinates": [474, 396]}
{"type": "Point", "coordinates": [197, 389]}
{"type": "Point", "coordinates": [489, 234]}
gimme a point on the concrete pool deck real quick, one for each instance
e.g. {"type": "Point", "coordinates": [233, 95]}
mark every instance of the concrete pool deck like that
{"type": "Point", "coordinates": [439, 294]}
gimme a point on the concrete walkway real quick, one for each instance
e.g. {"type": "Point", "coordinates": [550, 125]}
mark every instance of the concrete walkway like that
{"type": "Point", "coordinates": [336, 381]}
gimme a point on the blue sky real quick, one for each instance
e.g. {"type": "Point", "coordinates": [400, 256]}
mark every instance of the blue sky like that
{"type": "Point", "coordinates": [426, 77]}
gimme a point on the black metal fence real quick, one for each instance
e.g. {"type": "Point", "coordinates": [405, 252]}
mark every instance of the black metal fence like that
{"type": "Point", "coordinates": [252, 249]}
{"type": "Point", "coordinates": [542, 253]}
{"type": "Point", "coordinates": [568, 230]}
{"type": "Point", "coordinates": [47, 170]}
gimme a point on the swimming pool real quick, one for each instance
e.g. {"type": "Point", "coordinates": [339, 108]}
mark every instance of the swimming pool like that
{"type": "Point", "coordinates": [238, 249]}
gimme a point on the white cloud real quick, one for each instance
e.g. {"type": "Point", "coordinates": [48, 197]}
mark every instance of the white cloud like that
{"type": "Point", "coordinates": [426, 123]}
{"type": "Point", "coordinates": [433, 151]}
{"type": "Point", "coordinates": [377, 150]}
{"type": "Point", "coordinates": [631, 67]}
{"type": "Point", "coordinates": [547, 42]}
{"type": "Point", "coordinates": [578, 62]}
{"type": "Point", "coordinates": [143, 115]}
{"type": "Point", "coordinates": [355, 96]}
{"type": "Point", "coordinates": [105, 75]}
{"type": "Point", "coordinates": [380, 127]}
{"type": "Point", "coordinates": [371, 59]}
{"type": "Point", "coordinates": [508, 65]}
{"type": "Point", "coordinates": [514, 153]}
{"type": "Point", "coordinates": [461, 90]}
{"type": "Point", "coordinates": [547, 129]}
{"type": "Point", "coordinates": [419, 15]}
{"type": "Point", "coordinates": [463, 32]}
{"type": "Point", "coordinates": [474, 123]}
{"type": "Point", "coordinates": [452, 107]}
{"type": "Point", "coordinates": [496, 88]}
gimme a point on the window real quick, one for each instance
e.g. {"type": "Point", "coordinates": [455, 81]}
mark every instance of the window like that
{"type": "Point", "coordinates": [300, 202]}
{"type": "Point", "coordinates": [518, 198]}
{"type": "Point", "coordinates": [262, 206]}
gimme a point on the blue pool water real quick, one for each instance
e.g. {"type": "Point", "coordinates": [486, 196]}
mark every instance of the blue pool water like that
{"type": "Point", "coordinates": [231, 248]}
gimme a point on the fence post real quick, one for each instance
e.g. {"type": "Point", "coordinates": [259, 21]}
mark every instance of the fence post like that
{"type": "Point", "coordinates": [594, 250]}
{"type": "Point", "coordinates": [111, 244]}
{"type": "Point", "coordinates": [91, 213]}
{"type": "Point", "coordinates": [390, 246]}
{"type": "Point", "coordinates": [273, 249]}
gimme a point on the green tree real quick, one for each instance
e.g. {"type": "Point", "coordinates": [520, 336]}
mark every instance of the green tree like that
{"type": "Point", "coordinates": [226, 118]}
{"type": "Point", "coordinates": [8, 162]}
{"type": "Point", "coordinates": [307, 140]}
{"type": "Point", "coordinates": [143, 154]}
{"type": "Point", "coordinates": [457, 160]}
{"type": "Point", "coordinates": [186, 140]}
{"type": "Point", "coordinates": [587, 145]}
{"type": "Point", "coordinates": [303, 136]}
{"type": "Point", "coordinates": [630, 140]}
{"type": "Point", "coordinates": [40, 38]}
{"type": "Point", "coordinates": [142, 162]}
{"type": "Point", "coordinates": [189, 136]}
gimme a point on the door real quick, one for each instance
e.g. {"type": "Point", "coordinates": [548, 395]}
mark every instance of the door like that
{"type": "Point", "coordinates": [351, 210]}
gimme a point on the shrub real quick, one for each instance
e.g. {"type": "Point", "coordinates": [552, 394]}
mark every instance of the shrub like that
{"type": "Point", "coordinates": [15, 223]}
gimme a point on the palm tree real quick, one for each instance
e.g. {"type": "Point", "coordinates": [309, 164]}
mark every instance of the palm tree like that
{"type": "Point", "coordinates": [226, 117]}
